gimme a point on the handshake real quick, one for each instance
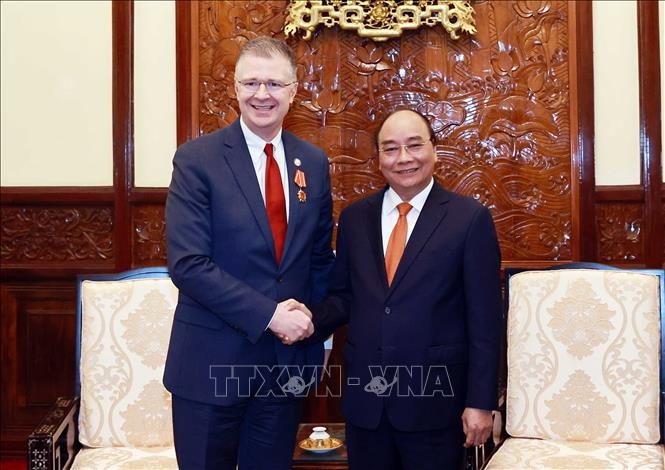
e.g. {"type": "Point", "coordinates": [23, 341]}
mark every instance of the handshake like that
{"type": "Point", "coordinates": [291, 322]}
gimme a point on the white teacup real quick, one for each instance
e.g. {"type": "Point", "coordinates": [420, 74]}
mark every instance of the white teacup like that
{"type": "Point", "coordinates": [320, 436]}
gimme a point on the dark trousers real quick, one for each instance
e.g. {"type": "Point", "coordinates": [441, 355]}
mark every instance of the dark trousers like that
{"type": "Point", "coordinates": [257, 434]}
{"type": "Point", "coordinates": [386, 448]}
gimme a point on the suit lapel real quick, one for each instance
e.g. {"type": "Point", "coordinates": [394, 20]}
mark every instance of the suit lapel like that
{"type": "Point", "coordinates": [373, 218]}
{"type": "Point", "coordinates": [295, 207]}
{"type": "Point", "coordinates": [431, 216]}
{"type": "Point", "coordinates": [238, 158]}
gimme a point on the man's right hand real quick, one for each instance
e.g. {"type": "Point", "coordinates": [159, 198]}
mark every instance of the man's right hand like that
{"type": "Point", "coordinates": [291, 321]}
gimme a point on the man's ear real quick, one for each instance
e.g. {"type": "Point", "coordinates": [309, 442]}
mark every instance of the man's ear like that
{"type": "Point", "coordinates": [293, 92]}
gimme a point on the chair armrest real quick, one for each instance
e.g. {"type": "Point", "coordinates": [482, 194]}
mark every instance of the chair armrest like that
{"type": "Point", "coordinates": [53, 444]}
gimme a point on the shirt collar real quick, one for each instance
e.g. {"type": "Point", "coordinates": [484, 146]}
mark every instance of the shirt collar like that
{"type": "Point", "coordinates": [391, 199]}
{"type": "Point", "coordinates": [256, 144]}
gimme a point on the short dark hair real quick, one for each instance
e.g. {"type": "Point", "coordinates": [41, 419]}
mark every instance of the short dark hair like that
{"type": "Point", "coordinates": [432, 135]}
{"type": "Point", "coordinates": [265, 46]}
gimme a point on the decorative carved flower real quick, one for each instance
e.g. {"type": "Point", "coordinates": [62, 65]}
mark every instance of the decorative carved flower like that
{"type": "Point", "coordinates": [380, 12]}
{"type": "Point", "coordinates": [527, 8]}
{"type": "Point", "coordinates": [517, 116]}
{"type": "Point", "coordinates": [368, 58]}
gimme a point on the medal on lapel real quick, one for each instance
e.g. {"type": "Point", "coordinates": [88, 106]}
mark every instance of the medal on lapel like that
{"type": "Point", "coordinates": [300, 181]}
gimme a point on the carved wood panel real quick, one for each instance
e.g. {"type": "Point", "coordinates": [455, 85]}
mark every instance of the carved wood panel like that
{"type": "Point", "coordinates": [619, 232]}
{"type": "Point", "coordinates": [55, 235]}
{"type": "Point", "coordinates": [149, 235]}
{"type": "Point", "coordinates": [499, 103]}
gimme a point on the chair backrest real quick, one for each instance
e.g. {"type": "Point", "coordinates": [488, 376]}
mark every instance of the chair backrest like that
{"type": "Point", "coordinates": [124, 326]}
{"type": "Point", "coordinates": [583, 355]}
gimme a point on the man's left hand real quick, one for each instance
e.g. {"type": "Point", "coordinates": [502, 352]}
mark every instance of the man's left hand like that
{"type": "Point", "coordinates": [477, 425]}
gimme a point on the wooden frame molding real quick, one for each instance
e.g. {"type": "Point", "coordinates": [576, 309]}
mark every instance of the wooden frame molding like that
{"type": "Point", "coordinates": [123, 127]}
{"type": "Point", "coordinates": [585, 136]}
{"type": "Point", "coordinates": [650, 129]}
{"type": "Point", "coordinates": [186, 30]}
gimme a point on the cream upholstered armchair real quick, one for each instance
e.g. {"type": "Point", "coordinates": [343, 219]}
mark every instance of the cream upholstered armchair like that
{"type": "Point", "coordinates": [124, 418]}
{"type": "Point", "coordinates": [585, 379]}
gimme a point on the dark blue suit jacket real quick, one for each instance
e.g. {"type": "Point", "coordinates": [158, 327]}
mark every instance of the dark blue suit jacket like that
{"type": "Point", "coordinates": [221, 257]}
{"type": "Point", "coordinates": [436, 329]}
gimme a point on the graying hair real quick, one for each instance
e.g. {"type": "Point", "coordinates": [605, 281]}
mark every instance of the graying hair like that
{"type": "Point", "coordinates": [267, 47]}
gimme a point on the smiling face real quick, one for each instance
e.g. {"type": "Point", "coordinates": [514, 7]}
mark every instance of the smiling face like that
{"type": "Point", "coordinates": [407, 171]}
{"type": "Point", "coordinates": [262, 111]}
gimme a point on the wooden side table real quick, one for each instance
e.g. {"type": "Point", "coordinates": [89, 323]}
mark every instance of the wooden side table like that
{"type": "Point", "coordinates": [333, 460]}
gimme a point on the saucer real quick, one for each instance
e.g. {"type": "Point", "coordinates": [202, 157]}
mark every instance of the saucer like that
{"type": "Point", "coordinates": [310, 446]}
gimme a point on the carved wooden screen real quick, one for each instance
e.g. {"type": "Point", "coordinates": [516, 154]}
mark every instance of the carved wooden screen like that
{"type": "Point", "coordinates": [502, 104]}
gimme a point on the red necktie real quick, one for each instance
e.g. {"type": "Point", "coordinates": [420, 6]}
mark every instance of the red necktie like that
{"type": "Point", "coordinates": [275, 203]}
{"type": "Point", "coordinates": [397, 241]}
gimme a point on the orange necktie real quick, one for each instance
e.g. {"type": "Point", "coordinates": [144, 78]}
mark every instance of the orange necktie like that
{"type": "Point", "coordinates": [397, 241]}
{"type": "Point", "coordinates": [275, 202]}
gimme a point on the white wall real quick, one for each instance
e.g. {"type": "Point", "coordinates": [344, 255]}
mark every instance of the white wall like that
{"type": "Point", "coordinates": [55, 81]}
{"type": "Point", "coordinates": [154, 92]}
{"type": "Point", "coordinates": [56, 93]}
{"type": "Point", "coordinates": [616, 92]}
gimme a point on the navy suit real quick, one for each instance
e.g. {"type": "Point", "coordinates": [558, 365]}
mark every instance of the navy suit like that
{"type": "Point", "coordinates": [221, 257]}
{"type": "Point", "coordinates": [436, 329]}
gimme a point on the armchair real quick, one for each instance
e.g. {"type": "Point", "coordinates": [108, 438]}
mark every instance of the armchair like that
{"type": "Point", "coordinates": [121, 417]}
{"type": "Point", "coordinates": [585, 376]}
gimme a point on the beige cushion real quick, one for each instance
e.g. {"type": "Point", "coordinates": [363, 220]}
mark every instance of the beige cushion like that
{"type": "Point", "coordinates": [126, 458]}
{"type": "Point", "coordinates": [583, 356]}
{"type": "Point", "coordinates": [523, 454]}
{"type": "Point", "coordinates": [126, 327]}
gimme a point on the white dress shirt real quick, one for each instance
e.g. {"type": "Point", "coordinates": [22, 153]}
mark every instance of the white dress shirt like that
{"type": "Point", "coordinates": [256, 146]}
{"type": "Point", "coordinates": [390, 214]}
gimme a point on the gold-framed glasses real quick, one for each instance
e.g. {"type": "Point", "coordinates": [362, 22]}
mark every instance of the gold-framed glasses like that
{"type": "Point", "coordinates": [272, 86]}
{"type": "Point", "coordinates": [414, 149]}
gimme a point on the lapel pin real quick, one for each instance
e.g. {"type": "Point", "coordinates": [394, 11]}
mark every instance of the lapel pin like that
{"type": "Point", "coordinates": [297, 162]}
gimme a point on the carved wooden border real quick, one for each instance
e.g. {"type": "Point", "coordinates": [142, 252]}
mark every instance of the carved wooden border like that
{"type": "Point", "coordinates": [619, 225]}
{"type": "Point", "coordinates": [148, 244]}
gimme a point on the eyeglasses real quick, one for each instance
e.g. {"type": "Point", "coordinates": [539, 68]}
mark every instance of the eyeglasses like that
{"type": "Point", "coordinates": [414, 149]}
{"type": "Point", "coordinates": [272, 86]}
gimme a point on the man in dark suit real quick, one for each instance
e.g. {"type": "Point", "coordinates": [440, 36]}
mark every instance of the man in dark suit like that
{"type": "Point", "coordinates": [248, 227]}
{"type": "Point", "coordinates": [417, 278]}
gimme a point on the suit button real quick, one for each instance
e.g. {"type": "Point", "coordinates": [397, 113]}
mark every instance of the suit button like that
{"type": "Point", "coordinates": [279, 279]}
{"type": "Point", "coordinates": [387, 310]}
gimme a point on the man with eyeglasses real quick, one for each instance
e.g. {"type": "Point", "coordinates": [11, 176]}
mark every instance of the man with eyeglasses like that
{"type": "Point", "coordinates": [417, 278]}
{"type": "Point", "coordinates": [248, 228]}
